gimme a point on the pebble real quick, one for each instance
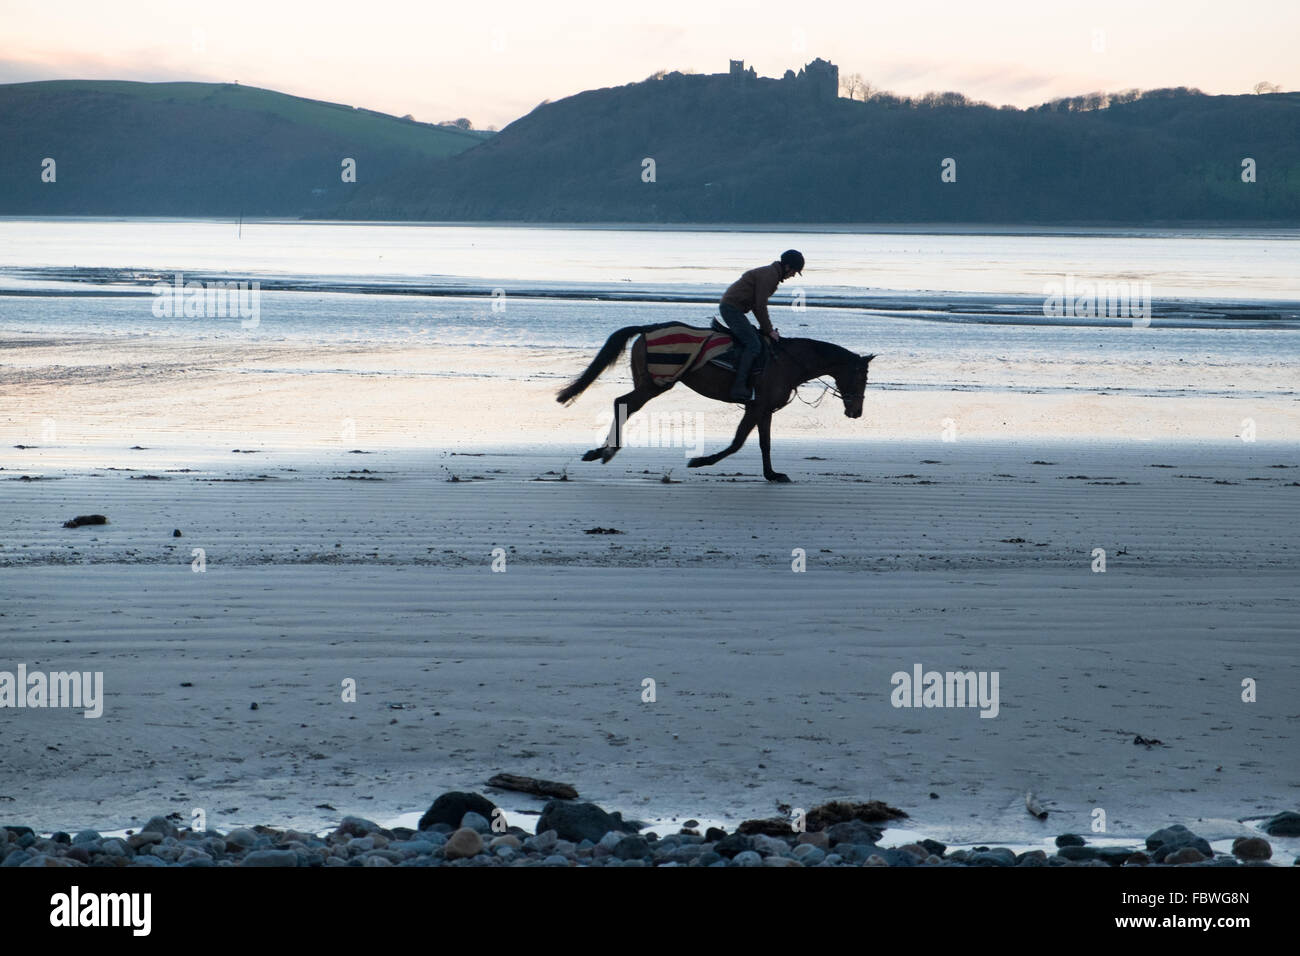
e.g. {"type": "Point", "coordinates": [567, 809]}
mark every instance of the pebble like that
{"type": "Point", "coordinates": [462, 844]}
{"type": "Point", "coordinates": [363, 843]}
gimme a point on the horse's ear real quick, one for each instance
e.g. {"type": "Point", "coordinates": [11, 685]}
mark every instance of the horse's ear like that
{"type": "Point", "coordinates": [868, 358]}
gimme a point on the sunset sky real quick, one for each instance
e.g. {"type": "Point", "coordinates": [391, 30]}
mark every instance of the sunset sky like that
{"type": "Point", "coordinates": [492, 62]}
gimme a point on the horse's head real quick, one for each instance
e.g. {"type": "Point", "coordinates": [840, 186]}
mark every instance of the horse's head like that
{"type": "Point", "coordinates": [851, 382]}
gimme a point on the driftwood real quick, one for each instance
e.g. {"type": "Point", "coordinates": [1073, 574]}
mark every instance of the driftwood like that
{"type": "Point", "coordinates": [1034, 807]}
{"type": "Point", "coordinates": [540, 788]}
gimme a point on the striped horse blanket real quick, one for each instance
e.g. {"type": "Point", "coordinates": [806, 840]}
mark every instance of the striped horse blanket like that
{"type": "Point", "coordinates": [673, 350]}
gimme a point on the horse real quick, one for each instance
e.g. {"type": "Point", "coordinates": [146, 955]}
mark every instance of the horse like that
{"type": "Point", "coordinates": [791, 363]}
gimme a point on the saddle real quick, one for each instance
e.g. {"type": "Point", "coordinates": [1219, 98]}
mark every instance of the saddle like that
{"type": "Point", "coordinates": [672, 350]}
{"type": "Point", "coordinates": [728, 358]}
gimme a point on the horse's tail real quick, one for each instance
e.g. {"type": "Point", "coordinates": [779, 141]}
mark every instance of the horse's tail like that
{"type": "Point", "coordinates": [610, 351]}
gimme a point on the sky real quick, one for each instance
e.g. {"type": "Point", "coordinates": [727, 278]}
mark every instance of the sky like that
{"type": "Point", "coordinates": [493, 62]}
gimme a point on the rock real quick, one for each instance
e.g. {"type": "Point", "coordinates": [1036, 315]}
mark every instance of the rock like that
{"type": "Point", "coordinates": [1170, 839]}
{"type": "Point", "coordinates": [611, 839]}
{"type": "Point", "coordinates": [543, 842]}
{"type": "Point", "coordinates": [357, 826]}
{"type": "Point", "coordinates": [770, 845]}
{"type": "Point", "coordinates": [1070, 839]}
{"type": "Point", "coordinates": [1187, 854]}
{"type": "Point", "coordinates": [1115, 855]}
{"type": "Point", "coordinates": [270, 858]}
{"type": "Point", "coordinates": [373, 860]}
{"type": "Point", "coordinates": [240, 837]}
{"type": "Point", "coordinates": [451, 807]}
{"type": "Point", "coordinates": [44, 860]}
{"type": "Point", "coordinates": [935, 847]}
{"type": "Point", "coordinates": [506, 839]}
{"type": "Point", "coordinates": [854, 831]}
{"type": "Point", "coordinates": [733, 845]}
{"type": "Point", "coordinates": [876, 860]}
{"type": "Point", "coordinates": [80, 854]}
{"type": "Point", "coordinates": [476, 822]}
{"type": "Point", "coordinates": [580, 821]}
{"type": "Point", "coordinates": [818, 839]}
{"type": "Point", "coordinates": [1251, 848]}
{"type": "Point", "coordinates": [781, 861]}
{"type": "Point", "coordinates": [915, 849]}
{"type": "Point", "coordinates": [137, 840]}
{"type": "Point", "coordinates": [82, 520]}
{"type": "Point", "coordinates": [1284, 824]}
{"type": "Point", "coordinates": [555, 860]}
{"type": "Point", "coordinates": [114, 847]}
{"type": "Point", "coordinates": [632, 848]}
{"type": "Point", "coordinates": [744, 858]}
{"type": "Point", "coordinates": [160, 825]}
{"type": "Point", "coordinates": [998, 856]}
{"type": "Point", "coordinates": [809, 855]}
{"type": "Point", "coordinates": [86, 836]}
{"type": "Point", "coordinates": [16, 858]}
{"type": "Point", "coordinates": [714, 834]}
{"type": "Point", "coordinates": [463, 843]}
{"type": "Point", "coordinates": [1031, 858]}
{"type": "Point", "coordinates": [1138, 859]}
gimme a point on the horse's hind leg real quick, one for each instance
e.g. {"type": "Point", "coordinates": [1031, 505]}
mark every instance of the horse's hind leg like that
{"type": "Point", "coordinates": [625, 406]}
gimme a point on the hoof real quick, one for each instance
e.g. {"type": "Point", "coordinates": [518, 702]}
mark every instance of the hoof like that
{"type": "Point", "coordinates": [778, 478]}
{"type": "Point", "coordinates": [697, 463]}
{"type": "Point", "coordinates": [592, 455]}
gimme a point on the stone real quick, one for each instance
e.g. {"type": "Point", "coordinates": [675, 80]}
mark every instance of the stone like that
{"type": "Point", "coordinates": [853, 831]}
{"type": "Point", "coordinates": [816, 838]}
{"type": "Point", "coordinates": [357, 826]}
{"type": "Point", "coordinates": [270, 858]}
{"type": "Point", "coordinates": [451, 807]}
{"type": "Point", "coordinates": [809, 855]}
{"type": "Point", "coordinates": [160, 825]}
{"type": "Point", "coordinates": [744, 858]}
{"type": "Point", "coordinates": [476, 822]}
{"type": "Point", "coordinates": [1251, 848]}
{"type": "Point", "coordinates": [935, 847]}
{"type": "Point", "coordinates": [770, 845]}
{"type": "Point", "coordinates": [1164, 842]}
{"type": "Point", "coordinates": [731, 846]}
{"type": "Point", "coordinates": [632, 848]}
{"type": "Point", "coordinates": [1070, 839]}
{"type": "Point", "coordinates": [998, 856]}
{"type": "Point", "coordinates": [543, 842]}
{"type": "Point", "coordinates": [781, 861]}
{"type": "Point", "coordinates": [714, 834]}
{"type": "Point", "coordinates": [1187, 854]}
{"type": "Point", "coordinates": [580, 821]}
{"type": "Point", "coordinates": [1138, 859]}
{"type": "Point", "coordinates": [86, 836]}
{"type": "Point", "coordinates": [137, 840]}
{"type": "Point", "coordinates": [506, 840]}
{"type": "Point", "coordinates": [240, 837]}
{"type": "Point", "coordinates": [1286, 823]}
{"type": "Point", "coordinates": [463, 844]}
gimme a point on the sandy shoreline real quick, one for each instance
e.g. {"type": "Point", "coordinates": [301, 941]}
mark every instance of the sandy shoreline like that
{"type": "Point", "coordinates": [911, 558]}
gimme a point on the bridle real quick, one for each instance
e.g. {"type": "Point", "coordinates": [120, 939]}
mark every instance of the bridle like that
{"type": "Point", "coordinates": [827, 387]}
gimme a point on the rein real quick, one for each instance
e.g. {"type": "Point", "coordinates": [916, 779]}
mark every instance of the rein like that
{"type": "Point", "coordinates": [827, 388]}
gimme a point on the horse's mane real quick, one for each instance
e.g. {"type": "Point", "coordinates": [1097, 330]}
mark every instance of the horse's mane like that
{"type": "Point", "coordinates": [830, 349]}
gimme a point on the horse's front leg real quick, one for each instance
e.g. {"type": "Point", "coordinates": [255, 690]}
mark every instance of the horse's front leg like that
{"type": "Point", "coordinates": [742, 432]}
{"type": "Point", "coordinates": [765, 445]}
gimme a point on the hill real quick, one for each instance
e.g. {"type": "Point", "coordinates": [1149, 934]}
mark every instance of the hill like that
{"type": "Point", "coordinates": [732, 148]}
{"type": "Point", "coordinates": [195, 149]}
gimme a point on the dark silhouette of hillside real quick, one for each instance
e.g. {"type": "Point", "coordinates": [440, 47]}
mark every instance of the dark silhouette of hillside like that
{"type": "Point", "coordinates": [195, 149]}
{"type": "Point", "coordinates": [739, 148]}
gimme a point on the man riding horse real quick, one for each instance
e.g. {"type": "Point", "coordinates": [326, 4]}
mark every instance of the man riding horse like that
{"type": "Point", "coordinates": [750, 293]}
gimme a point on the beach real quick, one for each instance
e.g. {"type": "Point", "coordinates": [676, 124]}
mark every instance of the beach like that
{"type": "Point", "coordinates": [368, 516]}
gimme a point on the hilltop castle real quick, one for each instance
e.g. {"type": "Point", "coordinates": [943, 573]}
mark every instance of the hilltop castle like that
{"type": "Point", "coordinates": [821, 78]}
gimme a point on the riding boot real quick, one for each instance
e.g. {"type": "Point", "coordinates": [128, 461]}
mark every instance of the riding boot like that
{"type": "Point", "coordinates": [740, 390]}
